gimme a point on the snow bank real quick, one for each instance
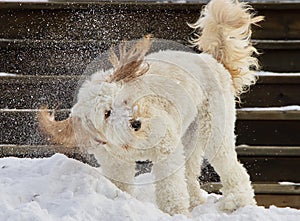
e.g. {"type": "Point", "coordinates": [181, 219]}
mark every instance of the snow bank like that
{"type": "Point", "coordinates": [59, 188]}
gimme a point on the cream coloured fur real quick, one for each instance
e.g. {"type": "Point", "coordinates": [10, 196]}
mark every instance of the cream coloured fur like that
{"type": "Point", "coordinates": [225, 31]}
{"type": "Point", "coordinates": [185, 104]}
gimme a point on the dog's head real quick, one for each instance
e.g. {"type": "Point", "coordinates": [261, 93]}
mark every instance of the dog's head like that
{"type": "Point", "coordinates": [119, 110]}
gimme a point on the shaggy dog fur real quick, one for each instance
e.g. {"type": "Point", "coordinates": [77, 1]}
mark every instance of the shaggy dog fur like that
{"type": "Point", "coordinates": [170, 107]}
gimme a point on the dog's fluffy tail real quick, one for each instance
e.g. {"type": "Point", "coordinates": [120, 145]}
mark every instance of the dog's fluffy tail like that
{"type": "Point", "coordinates": [224, 31]}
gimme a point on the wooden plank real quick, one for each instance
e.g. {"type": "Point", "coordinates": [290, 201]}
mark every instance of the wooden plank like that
{"type": "Point", "coordinates": [20, 126]}
{"type": "Point", "coordinates": [279, 55]}
{"type": "Point", "coordinates": [268, 132]}
{"type": "Point", "coordinates": [35, 150]}
{"type": "Point", "coordinates": [49, 57]}
{"type": "Point", "coordinates": [261, 169]}
{"type": "Point", "coordinates": [275, 26]}
{"type": "Point", "coordinates": [283, 200]}
{"type": "Point", "coordinates": [276, 44]}
{"type": "Point", "coordinates": [22, 92]}
{"type": "Point", "coordinates": [242, 151]}
{"type": "Point", "coordinates": [268, 194]}
{"type": "Point", "coordinates": [30, 92]}
{"type": "Point", "coordinates": [268, 151]}
{"type": "Point", "coordinates": [95, 21]}
{"type": "Point", "coordinates": [94, 43]}
{"type": "Point", "coordinates": [278, 78]}
{"type": "Point", "coordinates": [260, 188]}
{"type": "Point", "coordinates": [74, 21]}
{"type": "Point", "coordinates": [272, 188]}
{"type": "Point", "coordinates": [280, 60]}
{"type": "Point", "coordinates": [267, 114]}
{"type": "Point", "coordinates": [271, 95]}
{"type": "Point", "coordinates": [272, 169]}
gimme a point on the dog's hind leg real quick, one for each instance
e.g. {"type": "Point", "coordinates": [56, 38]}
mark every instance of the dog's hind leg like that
{"type": "Point", "coordinates": [220, 152]}
{"type": "Point", "coordinates": [196, 142]}
{"type": "Point", "coordinates": [237, 190]}
{"type": "Point", "coordinates": [193, 145]}
{"type": "Point", "coordinates": [193, 169]}
{"type": "Point", "coordinates": [171, 190]}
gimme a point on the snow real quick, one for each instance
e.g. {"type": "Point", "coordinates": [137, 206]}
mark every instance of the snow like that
{"type": "Point", "coordinates": [3, 74]}
{"type": "Point", "coordinates": [286, 183]}
{"type": "Point", "coordinates": [283, 108]}
{"type": "Point", "coordinates": [59, 188]}
{"type": "Point", "coordinates": [274, 74]}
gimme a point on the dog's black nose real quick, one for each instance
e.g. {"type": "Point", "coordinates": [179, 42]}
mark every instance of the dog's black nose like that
{"type": "Point", "coordinates": [136, 124]}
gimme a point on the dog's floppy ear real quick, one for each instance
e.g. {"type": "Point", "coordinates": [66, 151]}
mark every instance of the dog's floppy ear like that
{"type": "Point", "coordinates": [60, 132]}
{"type": "Point", "coordinates": [130, 65]}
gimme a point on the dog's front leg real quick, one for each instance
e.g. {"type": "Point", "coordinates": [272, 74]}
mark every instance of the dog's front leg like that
{"type": "Point", "coordinates": [122, 176]}
{"type": "Point", "coordinates": [120, 172]}
{"type": "Point", "coordinates": [171, 189]}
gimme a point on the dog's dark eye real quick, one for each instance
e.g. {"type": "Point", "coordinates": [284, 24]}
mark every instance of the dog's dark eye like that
{"type": "Point", "coordinates": [107, 114]}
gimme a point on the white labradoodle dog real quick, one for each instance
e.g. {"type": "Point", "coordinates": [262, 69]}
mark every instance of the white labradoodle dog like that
{"type": "Point", "coordinates": [170, 107]}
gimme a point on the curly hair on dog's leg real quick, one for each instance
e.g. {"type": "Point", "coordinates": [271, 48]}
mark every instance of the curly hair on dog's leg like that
{"type": "Point", "coordinates": [193, 166]}
{"type": "Point", "coordinates": [121, 173]}
{"type": "Point", "coordinates": [201, 127]}
{"type": "Point", "coordinates": [171, 189]}
{"type": "Point", "coordinates": [237, 190]}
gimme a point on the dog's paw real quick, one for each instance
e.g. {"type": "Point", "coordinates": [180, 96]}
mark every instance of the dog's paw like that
{"type": "Point", "coordinates": [196, 200]}
{"type": "Point", "coordinates": [232, 202]}
{"type": "Point", "coordinates": [183, 212]}
{"type": "Point", "coordinates": [177, 209]}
